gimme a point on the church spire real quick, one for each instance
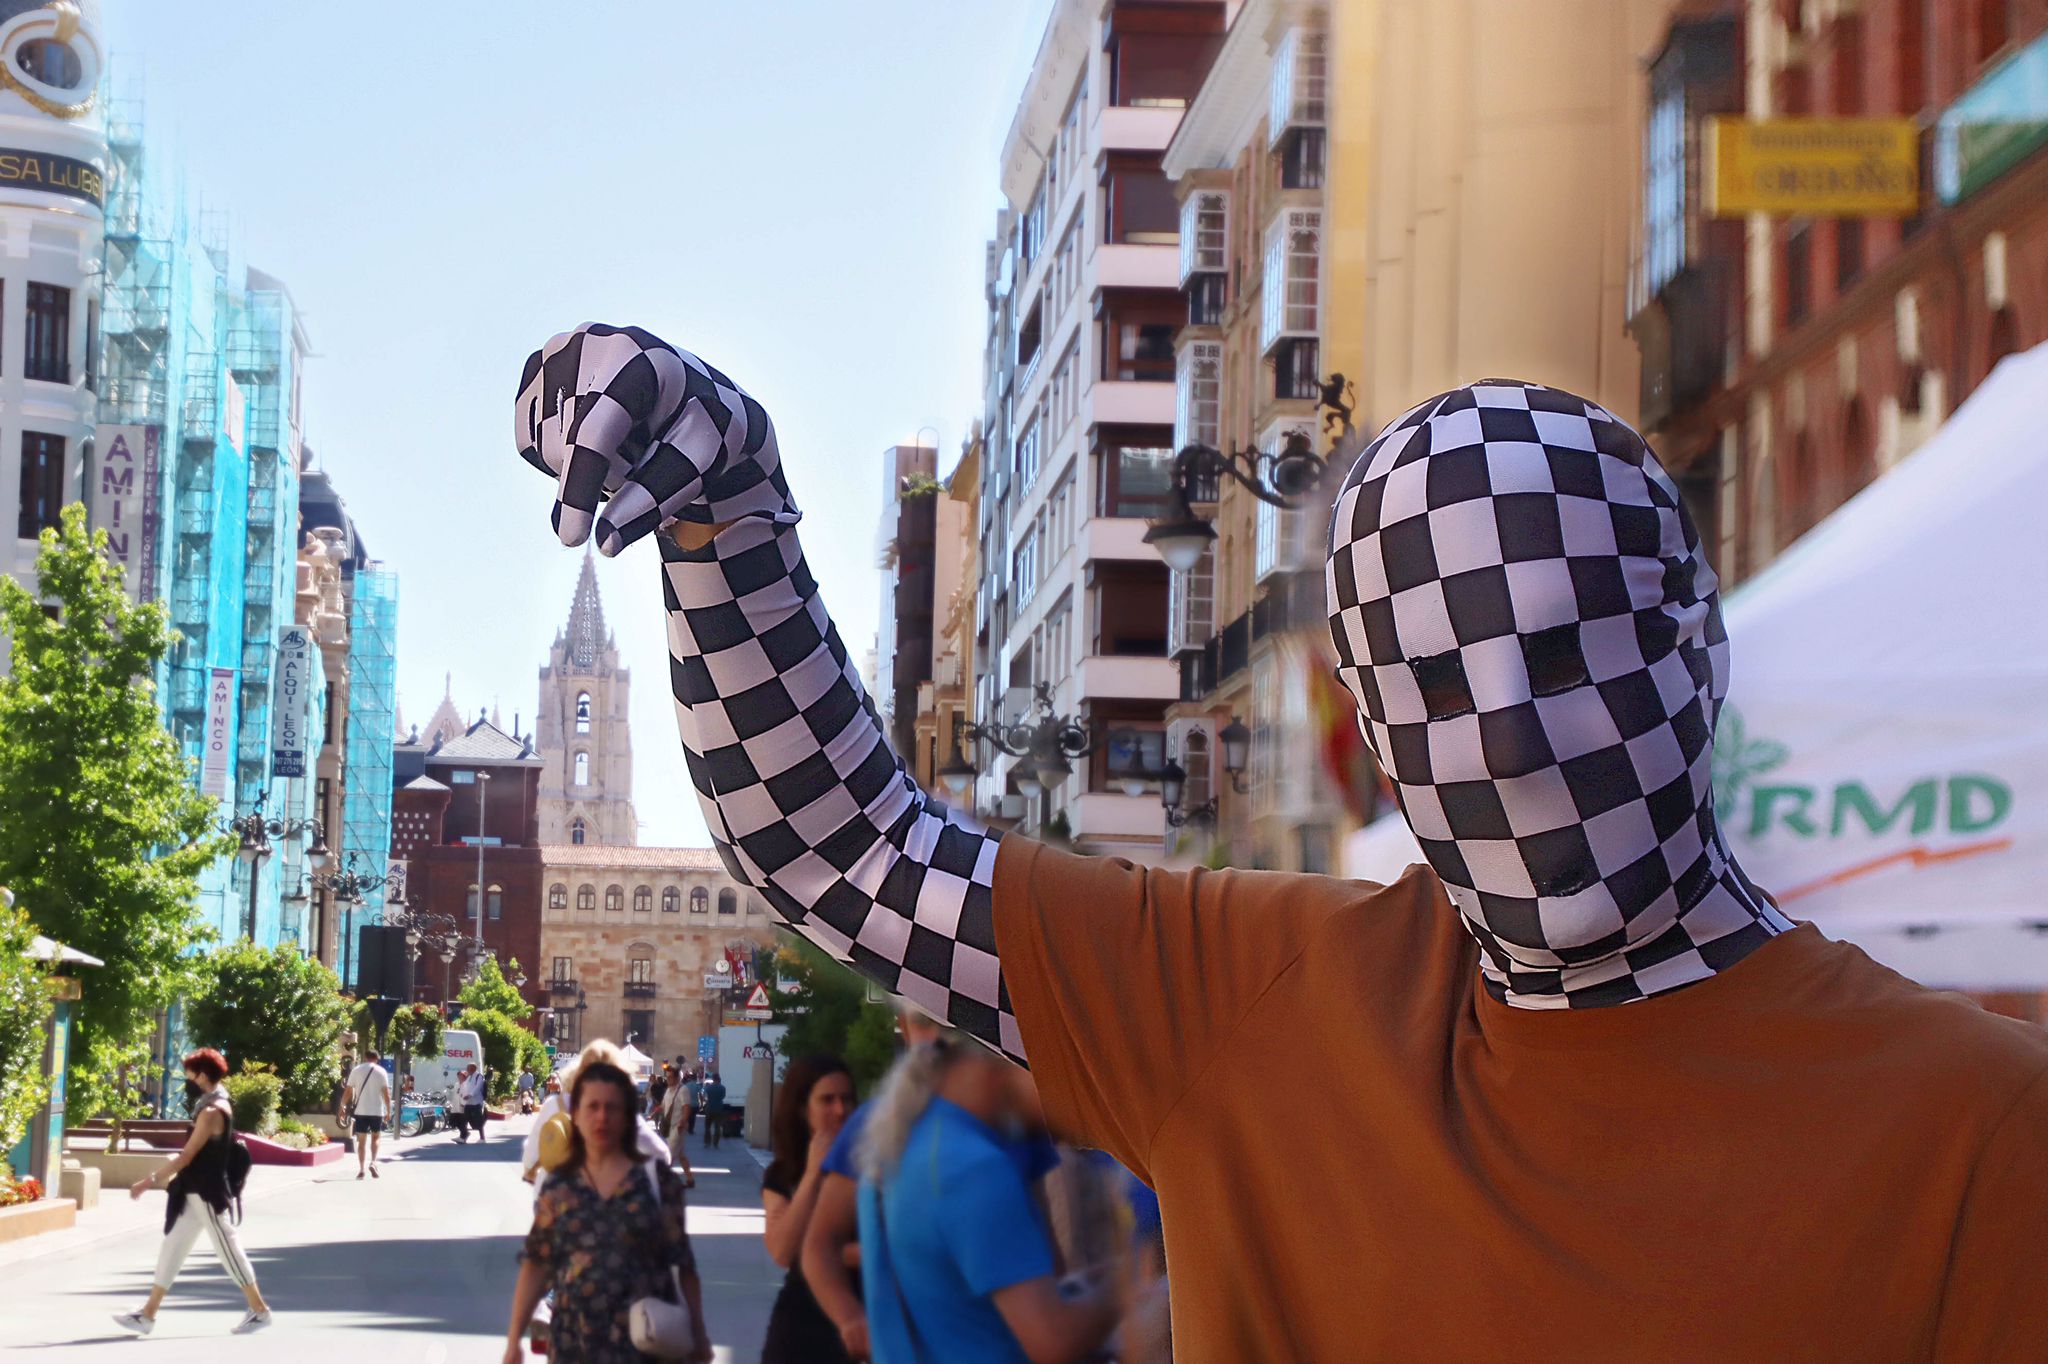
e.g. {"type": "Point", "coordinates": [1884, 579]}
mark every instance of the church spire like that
{"type": "Point", "coordinates": [587, 634]}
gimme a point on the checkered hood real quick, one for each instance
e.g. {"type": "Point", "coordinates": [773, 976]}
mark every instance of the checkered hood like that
{"type": "Point", "coordinates": [1523, 612]}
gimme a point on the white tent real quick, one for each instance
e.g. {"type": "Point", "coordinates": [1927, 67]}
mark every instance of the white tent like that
{"type": "Point", "coordinates": [1884, 756]}
{"type": "Point", "coordinates": [1883, 759]}
{"type": "Point", "coordinates": [638, 1062]}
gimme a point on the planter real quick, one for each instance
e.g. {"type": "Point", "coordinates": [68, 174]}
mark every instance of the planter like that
{"type": "Point", "coordinates": [33, 1219]}
{"type": "Point", "coordinates": [262, 1152]}
{"type": "Point", "coordinates": [324, 1121]}
{"type": "Point", "coordinates": [119, 1169]}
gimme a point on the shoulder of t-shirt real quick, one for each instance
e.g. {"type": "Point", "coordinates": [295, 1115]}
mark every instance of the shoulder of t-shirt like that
{"type": "Point", "coordinates": [839, 1159]}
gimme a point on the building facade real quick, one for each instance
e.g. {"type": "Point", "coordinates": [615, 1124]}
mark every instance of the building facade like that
{"type": "Point", "coordinates": [631, 939]}
{"type": "Point", "coordinates": [904, 550]}
{"type": "Point", "coordinates": [949, 696]}
{"type": "Point", "coordinates": [1079, 416]}
{"type": "Point", "coordinates": [53, 173]}
{"type": "Point", "coordinates": [582, 729]}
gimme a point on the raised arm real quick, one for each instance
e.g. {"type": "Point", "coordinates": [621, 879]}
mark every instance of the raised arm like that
{"type": "Point", "coordinates": [805, 800]}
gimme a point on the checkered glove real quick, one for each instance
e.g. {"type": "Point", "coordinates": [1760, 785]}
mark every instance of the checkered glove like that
{"type": "Point", "coordinates": [805, 800]}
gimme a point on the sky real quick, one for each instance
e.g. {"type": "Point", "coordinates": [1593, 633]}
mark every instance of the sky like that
{"type": "Point", "coordinates": [797, 190]}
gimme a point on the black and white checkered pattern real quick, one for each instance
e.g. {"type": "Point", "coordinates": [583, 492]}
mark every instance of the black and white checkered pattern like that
{"type": "Point", "coordinates": [803, 796]}
{"type": "Point", "coordinates": [1522, 609]}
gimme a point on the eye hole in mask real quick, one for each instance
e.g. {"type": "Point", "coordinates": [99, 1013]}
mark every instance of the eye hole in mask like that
{"type": "Point", "coordinates": [1441, 677]}
{"type": "Point", "coordinates": [1555, 661]}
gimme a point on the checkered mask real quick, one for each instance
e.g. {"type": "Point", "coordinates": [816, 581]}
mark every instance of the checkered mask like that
{"type": "Point", "coordinates": [1523, 612]}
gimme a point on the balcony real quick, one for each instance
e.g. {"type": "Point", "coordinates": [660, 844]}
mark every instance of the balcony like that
{"type": "Point", "coordinates": [1111, 816]}
{"type": "Point", "coordinates": [1116, 402]}
{"type": "Point", "coordinates": [639, 989]}
{"type": "Point", "coordinates": [1136, 129]}
{"type": "Point", "coordinates": [565, 985]}
{"type": "Point", "coordinates": [1127, 266]}
{"type": "Point", "coordinates": [1107, 677]}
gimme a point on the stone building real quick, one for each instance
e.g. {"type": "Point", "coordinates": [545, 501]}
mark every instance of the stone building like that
{"type": "Point", "coordinates": [628, 939]}
{"type": "Point", "coordinates": [582, 730]}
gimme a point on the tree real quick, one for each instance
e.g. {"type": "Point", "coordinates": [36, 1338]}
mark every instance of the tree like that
{"type": "Point", "coordinates": [490, 990]}
{"type": "Point", "coordinates": [507, 1046]}
{"type": "Point", "coordinates": [275, 1007]}
{"type": "Point", "coordinates": [826, 1009]}
{"type": "Point", "coordinates": [102, 833]}
{"type": "Point", "coordinates": [24, 1016]}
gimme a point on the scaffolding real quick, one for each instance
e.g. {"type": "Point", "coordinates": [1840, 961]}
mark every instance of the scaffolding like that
{"type": "Point", "coordinates": [372, 718]}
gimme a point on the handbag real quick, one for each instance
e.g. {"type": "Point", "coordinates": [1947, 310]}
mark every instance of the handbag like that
{"type": "Point", "coordinates": [657, 1326]}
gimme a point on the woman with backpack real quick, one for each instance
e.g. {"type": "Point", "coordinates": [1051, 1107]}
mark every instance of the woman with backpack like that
{"type": "Point", "coordinates": [608, 1238]}
{"type": "Point", "coordinates": [205, 1184]}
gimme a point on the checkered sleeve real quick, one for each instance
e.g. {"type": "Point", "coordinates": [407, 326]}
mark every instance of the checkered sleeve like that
{"type": "Point", "coordinates": [805, 800]}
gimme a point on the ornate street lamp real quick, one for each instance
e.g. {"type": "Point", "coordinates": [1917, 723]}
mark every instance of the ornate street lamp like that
{"type": "Point", "coordinates": [255, 831]}
{"type": "Point", "coordinates": [1173, 782]}
{"type": "Point", "coordinates": [1279, 480]}
{"type": "Point", "coordinates": [1047, 740]}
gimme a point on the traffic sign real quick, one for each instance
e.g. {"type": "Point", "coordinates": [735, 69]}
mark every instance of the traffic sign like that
{"type": "Point", "coordinates": [707, 1049]}
{"type": "Point", "coordinates": [758, 1006]}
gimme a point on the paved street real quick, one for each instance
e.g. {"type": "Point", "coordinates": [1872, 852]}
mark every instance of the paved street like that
{"type": "Point", "coordinates": [415, 1266]}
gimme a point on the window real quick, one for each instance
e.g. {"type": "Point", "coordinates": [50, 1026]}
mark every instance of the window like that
{"type": "Point", "coordinates": [1301, 158]}
{"type": "Point", "coordinates": [1135, 480]}
{"type": "Point", "coordinates": [728, 901]}
{"type": "Point", "coordinates": [1993, 27]}
{"type": "Point", "coordinates": [42, 482]}
{"type": "Point", "coordinates": [1196, 764]}
{"type": "Point", "coordinates": [583, 769]}
{"type": "Point", "coordinates": [1059, 641]}
{"type": "Point", "coordinates": [1152, 70]}
{"type": "Point", "coordinates": [1024, 566]}
{"type": "Point", "coordinates": [1798, 274]}
{"type": "Point", "coordinates": [1198, 395]}
{"type": "Point", "coordinates": [1031, 231]}
{"type": "Point", "coordinates": [639, 1025]}
{"type": "Point", "coordinates": [643, 899]}
{"type": "Point", "coordinates": [48, 353]}
{"type": "Point", "coordinates": [586, 897]}
{"type": "Point", "coordinates": [1191, 606]}
{"type": "Point", "coordinates": [1911, 51]}
{"type": "Point", "coordinates": [576, 831]}
{"type": "Point", "coordinates": [1206, 296]}
{"type": "Point", "coordinates": [92, 344]}
{"type": "Point", "coordinates": [1029, 334]}
{"type": "Point", "coordinates": [50, 61]}
{"type": "Point", "coordinates": [615, 898]}
{"type": "Point", "coordinates": [1664, 222]}
{"type": "Point", "coordinates": [462, 778]}
{"type": "Point", "coordinates": [671, 900]}
{"type": "Point", "coordinates": [494, 902]}
{"type": "Point", "coordinates": [641, 971]}
{"type": "Point", "coordinates": [1027, 456]}
{"type": "Point", "coordinates": [1137, 336]}
{"type": "Point", "coordinates": [558, 896]}
{"type": "Point", "coordinates": [1293, 267]}
{"type": "Point", "coordinates": [1266, 540]}
{"type": "Point", "coordinates": [1295, 365]}
{"type": "Point", "coordinates": [583, 713]}
{"type": "Point", "coordinates": [1848, 252]}
{"type": "Point", "coordinates": [1301, 76]}
{"type": "Point", "coordinates": [700, 900]}
{"type": "Point", "coordinates": [1138, 207]}
{"type": "Point", "coordinates": [1204, 234]}
{"type": "Point", "coordinates": [469, 903]}
{"type": "Point", "coordinates": [564, 970]}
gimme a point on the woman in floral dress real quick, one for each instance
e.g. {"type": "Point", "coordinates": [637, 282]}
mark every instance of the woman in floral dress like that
{"type": "Point", "coordinates": [607, 1231]}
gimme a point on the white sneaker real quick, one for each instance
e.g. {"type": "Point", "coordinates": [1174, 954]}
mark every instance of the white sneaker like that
{"type": "Point", "coordinates": [251, 1324]}
{"type": "Point", "coordinates": [136, 1322]}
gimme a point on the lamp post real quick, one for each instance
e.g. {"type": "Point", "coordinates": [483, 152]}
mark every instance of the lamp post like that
{"type": "Point", "coordinates": [1048, 740]}
{"type": "Point", "coordinates": [1173, 782]}
{"type": "Point", "coordinates": [350, 887]}
{"type": "Point", "coordinates": [255, 832]}
{"type": "Point", "coordinates": [482, 780]}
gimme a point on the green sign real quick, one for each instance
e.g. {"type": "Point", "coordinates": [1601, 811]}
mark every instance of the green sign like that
{"type": "Point", "coordinates": [1995, 123]}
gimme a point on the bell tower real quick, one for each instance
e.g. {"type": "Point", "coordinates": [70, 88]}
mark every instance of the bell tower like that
{"type": "Point", "coordinates": [582, 730]}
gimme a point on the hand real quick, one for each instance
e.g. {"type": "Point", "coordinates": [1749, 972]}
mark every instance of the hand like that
{"type": "Point", "coordinates": [618, 413]}
{"type": "Point", "coordinates": [142, 1186]}
{"type": "Point", "coordinates": [515, 1350]}
{"type": "Point", "coordinates": [854, 1336]}
{"type": "Point", "coordinates": [821, 1146]}
{"type": "Point", "coordinates": [702, 1353]}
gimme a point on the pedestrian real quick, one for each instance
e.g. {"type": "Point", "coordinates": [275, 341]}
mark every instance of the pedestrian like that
{"type": "Point", "coordinates": [713, 1099]}
{"type": "Point", "coordinates": [204, 1189]}
{"type": "Point", "coordinates": [673, 1112]}
{"type": "Point", "coordinates": [1613, 1053]}
{"type": "Point", "coordinates": [812, 1104]}
{"type": "Point", "coordinates": [470, 1091]}
{"type": "Point", "coordinates": [693, 1091]}
{"type": "Point", "coordinates": [955, 1254]}
{"type": "Point", "coordinates": [368, 1098]}
{"type": "Point", "coordinates": [608, 1231]}
{"type": "Point", "coordinates": [525, 1089]}
{"type": "Point", "coordinates": [545, 1133]}
{"type": "Point", "coordinates": [657, 1091]}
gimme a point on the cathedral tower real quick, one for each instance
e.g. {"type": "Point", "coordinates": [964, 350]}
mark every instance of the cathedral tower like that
{"type": "Point", "coordinates": [586, 790]}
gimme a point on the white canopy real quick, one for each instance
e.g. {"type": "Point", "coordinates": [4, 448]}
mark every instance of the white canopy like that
{"type": "Point", "coordinates": [637, 1061]}
{"type": "Point", "coordinates": [1883, 758]}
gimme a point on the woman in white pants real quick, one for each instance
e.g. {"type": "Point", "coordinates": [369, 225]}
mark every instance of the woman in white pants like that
{"type": "Point", "coordinates": [201, 1197]}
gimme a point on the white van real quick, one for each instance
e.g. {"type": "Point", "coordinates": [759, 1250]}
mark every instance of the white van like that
{"type": "Point", "coordinates": [459, 1048]}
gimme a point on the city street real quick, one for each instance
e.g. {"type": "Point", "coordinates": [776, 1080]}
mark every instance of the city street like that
{"type": "Point", "coordinates": [417, 1265]}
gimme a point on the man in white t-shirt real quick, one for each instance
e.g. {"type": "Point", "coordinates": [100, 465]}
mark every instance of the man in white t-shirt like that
{"type": "Point", "coordinates": [369, 1101]}
{"type": "Point", "coordinates": [470, 1091]}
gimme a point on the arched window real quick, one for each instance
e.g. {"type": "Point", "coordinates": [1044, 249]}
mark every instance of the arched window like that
{"type": "Point", "coordinates": [576, 832]}
{"type": "Point", "coordinates": [614, 898]}
{"type": "Point", "coordinates": [583, 713]}
{"type": "Point", "coordinates": [586, 897]}
{"type": "Point", "coordinates": [728, 901]}
{"type": "Point", "coordinates": [583, 769]}
{"type": "Point", "coordinates": [700, 900]}
{"type": "Point", "coordinates": [558, 896]}
{"type": "Point", "coordinates": [643, 899]}
{"type": "Point", "coordinates": [494, 902]}
{"type": "Point", "coordinates": [671, 900]}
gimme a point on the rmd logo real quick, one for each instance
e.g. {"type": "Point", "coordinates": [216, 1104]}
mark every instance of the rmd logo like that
{"type": "Point", "coordinates": [1960, 803]}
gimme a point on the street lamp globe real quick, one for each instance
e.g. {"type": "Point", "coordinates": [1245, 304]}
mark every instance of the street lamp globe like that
{"type": "Point", "coordinates": [957, 776]}
{"type": "Point", "coordinates": [1173, 783]}
{"type": "Point", "coordinates": [1181, 543]}
{"type": "Point", "coordinates": [1237, 745]}
{"type": "Point", "coordinates": [253, 847]}
{"type": "Point", "coordinates": [1028, 783]}
{"type": "Point", "coordinates": [1053, 768]}
{"type": "Point", "coordinates": [318, 856]}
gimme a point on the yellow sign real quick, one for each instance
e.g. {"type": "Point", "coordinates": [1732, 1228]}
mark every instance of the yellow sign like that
{"type": "Point", "coordinates": [1814, 167]}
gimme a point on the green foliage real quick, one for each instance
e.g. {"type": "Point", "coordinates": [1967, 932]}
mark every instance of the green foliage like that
{"type": "Point", "coordinates": [303, 1135]}
{"type": "Point", "coordinates": [870, 1047]}
{"type": "Point", "coordinates": [24, 1016]}
{"type": "Point", "coordinates": [102, 833]}
{"type": "Point", "coordinates": [504, 1043]}
{"type": "Point", "coordinates": [490, 990]}
{"type": "Point", "coordinates": [274, 1006]}
{"type": "Point", "coordinates": [827, 1011]}
{"type": "Point", "coordinates": [255, 1092]}
{"type": "Point", "coordinates": [913, 486]}
{"type": "Point", "coordinates": [415, 1030]}
{"type": "Point", "coordinates": [105, 1078]}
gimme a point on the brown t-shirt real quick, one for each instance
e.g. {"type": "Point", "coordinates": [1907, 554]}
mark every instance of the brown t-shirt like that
{"type": "Point", "coordinates": [1360, 1155]}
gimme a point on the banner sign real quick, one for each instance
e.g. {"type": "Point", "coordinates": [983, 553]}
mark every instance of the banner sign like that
{"type": "Point", "coordinates": [1814, 167]}
{"type": "Point", "coordinates": [52, 174]}
{"type": "Point", "coordinates": [218, 756]}
{"type": "Point", "coordinates": [294, 694]}
{"type": "Point", "coordinates": [1996, 123]}
{"type": "Point", "coordinates": [236, 414]}
{"type": "Point", "coordinates": [124, 502]}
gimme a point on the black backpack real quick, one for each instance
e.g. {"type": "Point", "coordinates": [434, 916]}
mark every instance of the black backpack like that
{"type": "Point", "coordinates": [236, 1160]}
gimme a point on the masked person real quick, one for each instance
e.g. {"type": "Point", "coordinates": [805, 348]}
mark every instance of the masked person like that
{"type": "Point", "coordinates": [1577, 1090]}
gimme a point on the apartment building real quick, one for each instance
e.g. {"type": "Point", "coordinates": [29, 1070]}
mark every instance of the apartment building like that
{"type": "Point", "coordinates": [1084, 306]}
